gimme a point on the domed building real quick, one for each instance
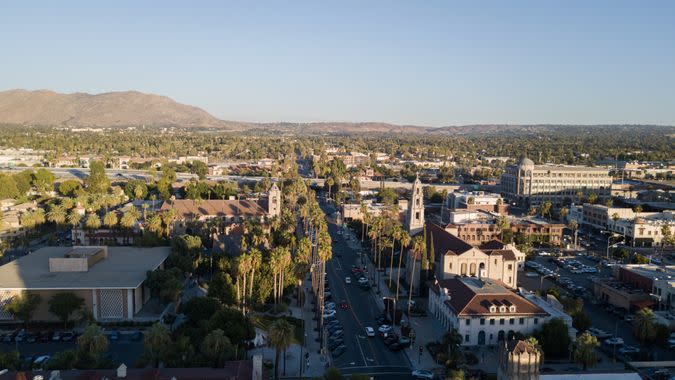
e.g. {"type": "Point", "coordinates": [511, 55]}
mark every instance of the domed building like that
{"type": "Point", "coordinates": [528, 184]}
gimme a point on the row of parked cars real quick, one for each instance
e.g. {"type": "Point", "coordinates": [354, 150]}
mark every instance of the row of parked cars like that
{"type": "Point", "coordinates": [336, 343]}
{"type": "Point", "coordinates": [33, 337]}
{"type": "Point", "coordinates": [614, 343]}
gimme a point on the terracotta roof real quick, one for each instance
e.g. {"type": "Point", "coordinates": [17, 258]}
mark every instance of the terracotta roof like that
{"type": "Point", "coordinates": [445, 243]}
{"type": "Point", "coordinates": [185, 208]}
{"type": "Point", "coordinates": [507, 254]}
{"type": "Point", "coordinates": [492, 245]}
{"type": "Point", "coordinates": [471, 296]}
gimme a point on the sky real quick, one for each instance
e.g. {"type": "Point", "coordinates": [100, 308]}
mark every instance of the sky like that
{"type": "Point", "coordinates": [431, 63]}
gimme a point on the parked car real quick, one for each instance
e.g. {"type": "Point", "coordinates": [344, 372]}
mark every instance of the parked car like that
{"type": "Point", "coordinates": [21, 336]}
{"type": "Point", "coordinates": [67, 337]}
{"type": "Point", "coordinates": [45, 336]}
{"type": "Point", "coordinates": [627, 350]}
{"type": "Point", "coordinates": [422, 374]}
{"type": "Point", "coordinates": [339, 350]}
{"type": "Point", "coordinates": [41, 361]}
{"type": "Point", "coordinates": [31, 337]}
{"type": "Point", "coordinates": [370, 331]}
{"type": "Point", "coordinates": [348, 280]}
{"type": "Point", "coordinates": [56, 336]}
{"type": "Point", "coordinates": [114, 335]}
{"type": "Point", "coordinates": [329, 313]}
{"type": "Point", "coordinates": [384, 329]}
{"type": "Point", "coordinates": [615, 341]}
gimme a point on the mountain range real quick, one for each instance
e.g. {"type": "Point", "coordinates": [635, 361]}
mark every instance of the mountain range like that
{"type": "Point", "coordinates": [133, 108]}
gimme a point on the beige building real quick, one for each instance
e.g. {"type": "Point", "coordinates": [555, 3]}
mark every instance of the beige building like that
{"type": "Point", "coordinates": [456, 257]}
{"type": "Point", "coordinates": [530, 184]}
{"type": "Point", "coordinates": [109, 279]}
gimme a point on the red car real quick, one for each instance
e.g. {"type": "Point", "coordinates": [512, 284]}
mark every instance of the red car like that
{"type": "Point", "coordinates": [344, 305]}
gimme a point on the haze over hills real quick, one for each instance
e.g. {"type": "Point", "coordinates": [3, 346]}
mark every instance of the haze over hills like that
{"type": "Point", "coordinates": [111, 109]}
{"type": "Point", "coordinates": [133, 108]}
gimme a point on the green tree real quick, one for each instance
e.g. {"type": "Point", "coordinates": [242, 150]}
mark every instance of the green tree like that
{"type": "Point", "coordinates": [545, 209]}
{"type": "Point", "coordinates": [8, 188]}
{"type": "Point", "coordinates": [199, 309]}
{"type": "Point", "coordinates": [69, 187]}
{"type": "Point", "coordinates": [387, 196]}
{"type": "Point", "coordinates": [98, 181]}
{"type": "Point", "coordinates": [581, 321]}
{"type": "Point", "coordinates": [64, 304]}
{"type": "Point", "coordinates": [200, 169]}
{"type": "Point", "coordinates": [217, 347]}
{"type": "Point", "coordinates": [554, 338]}
{"type": "Point", "coordinates": [280, 337]}
{"type": "Point", "coordinates": [136, 189]}
{"type": "Point", "coordinates": [643, 328]}
{"type": "Point", "coordinates": [156, 344]}
{"type": "Point", "coordinates": [235, 324]}
{"type": "Point", "coordinates": [23, 306]}
{"type": "Point", "coordinates": [43, 180]}
{"type": "Point", "coordinates": [10, 360]}
{"type": "Point", "coordinates": [222, 288]}
{"type": "Point", "coordinates": [91, 345]}
{"type": "Point", "coordinates": [584, 350]}
{"type": "Point", "coordinates": [56, 214]}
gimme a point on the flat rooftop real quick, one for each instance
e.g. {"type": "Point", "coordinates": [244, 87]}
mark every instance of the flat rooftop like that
{"type": "Point", "coordinates": [124, 268]}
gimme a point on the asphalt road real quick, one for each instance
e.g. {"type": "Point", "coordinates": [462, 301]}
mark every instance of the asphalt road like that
{"type": "Point", "coordinates": [363, 355]}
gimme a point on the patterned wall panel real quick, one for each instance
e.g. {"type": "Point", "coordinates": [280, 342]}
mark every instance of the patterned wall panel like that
{"type": "Point", "coordinates": [111, 304]}
{"type": "Point", "coordinates": [5, 297]}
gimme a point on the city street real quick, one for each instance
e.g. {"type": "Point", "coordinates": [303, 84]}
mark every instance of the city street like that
{"type": "Point", "coordinates": [364, 354]}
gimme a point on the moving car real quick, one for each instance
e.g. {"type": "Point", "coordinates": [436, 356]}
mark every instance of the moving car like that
{"type": "Point", "coordinates": [348, 280]}
{"type": "Point", "coordinates": [67, 337]}
{"type": "Point", "coordinates": [384, 329]}
{"type": "Point", "coordinates": [344, 305]}
{"type": "Point", "coordinates": [41, 361]}
{"type": "Point", "coordinates": [370, 331]}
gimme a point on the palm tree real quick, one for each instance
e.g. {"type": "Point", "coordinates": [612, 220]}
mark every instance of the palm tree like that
{"type": "Point", "coordinates": [255, 263]}
{"type": "Point", "coordinates": [154, 224]}
{"type": "Point", "coordinates": [217, 347]}
{"type": "Point", "coordinates": [156, 343]}
{"type": "Point", "coordinates": [419, 246]}
{"type": "Point", "coordinates": [93, 221]}
{"type": "Point", "coordinates": [243, 268]}
{"type": "Point", "coordinates": [644, 325]}
{"type": "Point", "coordinates": [74, 217]}
{"type": "Point", "coordinates": [330, 182]}
{"type": "Point", "coordinates": [574, 226]}
{"type": "Point", "coordinates": [405, 242]}
{"type": "Point", "coordinates": [502, 224]}
{"type": "Point", "coordinates": [57, 214]}
{"type": "Point", "coordinates": [110, 219]}
{"type": "Point", "coordinates": [584, 351]}
{"type": "Point", "coordinates": [363, 209]}
{"type": "Point", "coordinates": [563, 213]}
{"type": "Point", "coordinates": [396, 233]}
{"type": "Point", "coordinates": [280, 337]}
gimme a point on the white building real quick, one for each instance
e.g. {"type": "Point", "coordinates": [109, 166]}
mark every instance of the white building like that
{"type": "Point", "coordinates": [483, 311]}
{"type": "Point", "coordinates": [530, 184]}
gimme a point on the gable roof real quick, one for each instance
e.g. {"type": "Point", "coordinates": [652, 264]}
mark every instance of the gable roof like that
{"type": "Point", "coordinates": [492, 244]}
{"type": "Point", "coordinates": [520, 347]}
{"type": "Point", "coordinates": [186, 208]}
{"type": "Point", "coordinates": [506, 254]}
{"type": "Point", "coordinates": [445, 243]}
{"type": "Point", "coordinates": [473, 297]}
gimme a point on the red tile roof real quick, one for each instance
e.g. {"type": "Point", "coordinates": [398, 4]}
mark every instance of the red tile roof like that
{"type": "Point", "coordinates": [185, 208]}
{"type": "Point", "coordinates": [473, 297]}
{"type": "Point", "coordinates": [445, 243]}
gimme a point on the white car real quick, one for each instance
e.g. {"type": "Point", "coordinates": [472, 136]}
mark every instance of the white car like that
{"type": "Point", "coordinates": [329, 306]}
{"type": "Point", "coordinates": [41, 361]}
{"type": "Point", "coordinates": [348, 280]}
{"type": "Point", "coordinates": [422, 374]}
{"type": "Point", "coordinates": [384, 329]}
{"type": "Point", "coordinates": [614, 342]}
{"type": "Point", "coordinates": [363, 280]}
{"type": "Point", "coordinates": [370, 331]}
{"type": "Point", "coordinates": [329, 313]}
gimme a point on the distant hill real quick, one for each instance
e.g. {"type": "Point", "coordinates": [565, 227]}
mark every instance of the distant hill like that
{"type": "Point", "coordinates": [133, 108]}
{"type": "Point", "coordinates": [111, 109]}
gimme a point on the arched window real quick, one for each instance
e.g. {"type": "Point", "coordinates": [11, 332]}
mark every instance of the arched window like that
{"type": "Point", "coordinates": [472, 269]}
{"type": "Point", "coordinates": [463, 269]}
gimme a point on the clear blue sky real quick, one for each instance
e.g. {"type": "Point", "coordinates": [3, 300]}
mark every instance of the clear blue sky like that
{"type": "Point", "coordinates": [419, 62]}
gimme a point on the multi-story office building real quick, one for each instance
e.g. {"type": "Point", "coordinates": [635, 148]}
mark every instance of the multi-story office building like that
{"type": "Point", "coordinates": [530, 184]}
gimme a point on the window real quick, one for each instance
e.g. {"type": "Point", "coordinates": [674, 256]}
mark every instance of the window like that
{"type": "Point", "coordinates": [501, 321]}
{"type": "Point", "coordinates": [536, 321]}
{"type": "Point", "coordinates": [521, 321]}
{"type": "Point", "coordinates": [468, 322]}
{"type": "Point", "coordinates": [466, 338]}
{"type": "Point", "coordinates": [450, 266]}
{"type": "Point", "coordinates": [510, 267]}
{"type": "Point", "coordinates": [512, 321]}
{"type": "Point", "coordinates": [492, 322]}
{"type": "Point", "coordinates": [482, 321]}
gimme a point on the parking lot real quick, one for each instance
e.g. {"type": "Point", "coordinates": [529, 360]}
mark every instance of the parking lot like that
{"type": "Point", "coordinates": [124, 346]}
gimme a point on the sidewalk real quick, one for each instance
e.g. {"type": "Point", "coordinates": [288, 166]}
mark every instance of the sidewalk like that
{"type": "Point", "coordinates": [296, 355]}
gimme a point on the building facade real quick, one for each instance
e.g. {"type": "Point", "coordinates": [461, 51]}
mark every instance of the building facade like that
{"type": "Point", "coordinates": [483, 311]}
{"type": "Point", "coordinates": [528, 184]}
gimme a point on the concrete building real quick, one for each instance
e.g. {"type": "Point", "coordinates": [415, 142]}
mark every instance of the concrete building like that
{"type": "Point", "coordinates": [109, 279]}
{"type": "Point", "coordinates": [415, 217]}
{"type": "Point", "coordinates": [639, 228]}
{"type": "Point", "coordinates": [352, 211]}
{"type": "Point", "coordinates": [483, 311]}
{"type": "Point", "coordinates": [476, 200]}
{"type": "Point", "coordinates": [657, 281]}
{"type": "Point", "coordinates": [529, 184]}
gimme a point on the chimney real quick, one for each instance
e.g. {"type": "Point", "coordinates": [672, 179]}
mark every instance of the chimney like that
{"type": "Point", "coordinates": [256, 372]}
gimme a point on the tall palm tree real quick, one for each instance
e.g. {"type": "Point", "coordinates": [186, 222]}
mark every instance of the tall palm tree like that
{"type": "Point", "coordinates": [363, 209]}
{"type": "Point", "coordinates": [405, 242]}
{"type": "Point", "coordinates": [57, 214]}
{"type": "Point", "coordinates": [255, 263]}
{"type": "Point", "coordinates": [92, 221]}
{"type": "Point", "coordinates": [396, 233]}
{"type": "Point", "coordinates": [280, 337]}
{"type": "Point", "coordinates": [74, 217]}
{"type": "Point", "coordinates": [154, 224]}
{"type": "Point", "coordinates": [419, 246]}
